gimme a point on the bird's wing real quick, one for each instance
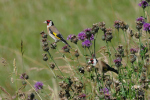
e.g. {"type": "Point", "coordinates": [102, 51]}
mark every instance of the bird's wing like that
{"type": "Point", "coordinates": [53, 30]}
{"type": "Point", "coordinates": [57, 34]}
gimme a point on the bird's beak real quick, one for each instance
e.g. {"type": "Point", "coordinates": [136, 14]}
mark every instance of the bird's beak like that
{"type": "Point", "coordinates": [45, 22]}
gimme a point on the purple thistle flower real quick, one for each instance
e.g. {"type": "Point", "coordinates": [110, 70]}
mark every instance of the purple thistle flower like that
{"type": "Point", "coordinates": [117, 61]}
{"type": "Point", "coordinates": [21, 77]}
{"type": "Point", "coordinates": [38, 86]}
{"type": "Point", "coordinates": [69, 36]}
{"type": "Point", "coordinates": [146, 27]}
{"type": "Point", "coordinates": [143, 4]}
{"type": "Point", "coordinates": [87, 30]}
{"type": "Point", "coordinates": [92, 37]}
{"type": "Point", "coordinates": [81, 36]}
{"type": "Point", "coordinates": [24, 76]}
{"type": "Point", "coordinates": [133, 50]}
{"type": "Point", "coordinates": [106, 90]}
{"type": "Point", "coordinates": [141, 19]}
{"type": "Point", "coordinates": [86, 43]}
{"type": "Point", "coordinates": [65, 47]}
{"type": "Point", "coordinates": [82, 96]}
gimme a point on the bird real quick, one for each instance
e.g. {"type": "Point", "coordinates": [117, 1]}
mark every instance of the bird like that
{"type": "Point", "coordinates": [102, 66]}
{"type": "Point", "coordinates": [54, 33]}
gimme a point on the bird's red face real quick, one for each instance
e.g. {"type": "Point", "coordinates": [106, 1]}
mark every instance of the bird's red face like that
{"type": "Point", "coordinates": [47, 22]}
{"type": "Point", "coordinates": [91, 61]}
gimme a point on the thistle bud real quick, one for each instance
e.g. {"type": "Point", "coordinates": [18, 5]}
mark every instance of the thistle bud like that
{"type": "Point", "coordinates": [53, 45]}
{"type": "Point", "coordinates": [73, 38]}
{"type": "Point", "coordinates": [89, 68]}
{"type": "Point", "coordinates": [52, 65]}
{"type": "Point", "coordinates": [31, 96]}
{"type": "Point", "coordinates": [123, 26]}
{"type": "Point", "coordinates": [81, 70]}
{"type": "Point", "coordinates": [102, 26]}
{"type": "Point", "coordinates": [116, 24]}
{"type": "Point", "coordinates": [76, 53]}
{"type": "Point", "coordinates": [44, 39]}
{"type": "Point", "coordinates": [132, 58]}
{"type": "Point", "coordinates": [24, 83]}
{"type": "Point", "coordinates": [45, 48]}
{"type": "Point", "coordinates": [44, 35]}
{"type": "Point", "coordinates": [45, 44]}
{"type": "Point", "coordinates": [24, 76]}
{"type": "Point", "coordinates": [103, 37]}
{"type": "Point", "coordinates": [45, 58]}
{"type": "Point", "coordinates": [120, 50]}
{"type": "Point", "coordinates": [95, 28]}
{"type": "Point", "coordinates": [137, 35]}
{"type": "Point", "coordinates": [118, 56]}
{"type": "Point", "coordinates": [131, 33]}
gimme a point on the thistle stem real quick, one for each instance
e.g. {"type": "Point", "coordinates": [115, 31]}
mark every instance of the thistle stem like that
{"type": "Point", "coordinates": [54, 62]}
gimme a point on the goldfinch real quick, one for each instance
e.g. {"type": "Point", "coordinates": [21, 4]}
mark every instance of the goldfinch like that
{"type": "Point", "coordinates": [102, 66]}
{"type": "Point", "coordinates": [54, 33]}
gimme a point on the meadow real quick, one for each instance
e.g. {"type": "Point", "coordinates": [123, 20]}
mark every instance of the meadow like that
{"type": "Point", "coordinates": [21, 45]}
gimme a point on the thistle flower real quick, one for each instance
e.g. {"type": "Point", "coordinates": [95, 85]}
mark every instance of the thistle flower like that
{"type": "Point", "coordinates": [86, 43]}
{"type": "Point", "coordinates": [24, 76]}
{"type": "Point", "coordinates": [117, 62]}
{"type": "Point", "coordinates": [92, 37]}
{"type": "Point", "coordinates": [69, 36]}
{"type": "Point", "coordinates": [82, 96]}
{"type": "Point", "coordinates": [141, 19]}
{"type": "Point", "coordinates": [146, 27]}
{"type": "Point", "coordinates": [87, 30]}
{"type": "Point", "coordinates": [133, 50]}
{"type": "Point", "coordinates": [82, 36]}
{"type": "Point", "coordinates": [143, 4]}
{"type": "Point", "coordinates": [123, 25]}
{"type": "Point", "coordinates": [139, 22]}
{"type": "Point", "coordinates": [88, 33]}
{"type": "Point", "coordinates": [116, 24]}
{"type": "Point", "coordinates": [118, 56]}
{"type": "Point", "coordinates": [73, 38]}
{"type": "Point", "coordinates": [65, 48]}
{"type": "Point", "coordinates": [106, 92]}
{"type": "Point", "coordinates": [38, 86]}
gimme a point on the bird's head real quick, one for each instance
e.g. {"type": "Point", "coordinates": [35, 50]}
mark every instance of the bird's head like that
{"type": "Point", "coordinates": [93, 61]}
{"type": "Point", "coordinates": [49, 23]}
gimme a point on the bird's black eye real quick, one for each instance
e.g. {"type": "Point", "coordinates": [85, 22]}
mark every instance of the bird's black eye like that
{"type": "Point", "coordinates": [48, 21]}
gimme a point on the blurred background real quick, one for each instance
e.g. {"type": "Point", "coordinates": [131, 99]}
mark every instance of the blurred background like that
{"type": "Point", "coordinates": [23, 20]}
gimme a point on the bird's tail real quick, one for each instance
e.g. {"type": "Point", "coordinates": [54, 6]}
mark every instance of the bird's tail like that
{"type": "Point", "coordinates": [64, 41]}
{"type": "Point", "coordinates": [114, 70]}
